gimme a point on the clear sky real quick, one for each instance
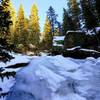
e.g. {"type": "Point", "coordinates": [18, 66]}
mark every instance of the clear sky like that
{"type": "Point", "coordinates": [43, 6]}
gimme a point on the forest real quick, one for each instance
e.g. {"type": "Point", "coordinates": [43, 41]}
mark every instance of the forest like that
{"type": "Point", "coordinates": [22, 34]}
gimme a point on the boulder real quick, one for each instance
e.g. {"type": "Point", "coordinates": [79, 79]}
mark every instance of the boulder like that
{"type": "Point", "coordinates": [79, 38]}
{"type": "Point", "coordinates": [80, 53]}
{"type": "Point", "coordinates": [73, 39]}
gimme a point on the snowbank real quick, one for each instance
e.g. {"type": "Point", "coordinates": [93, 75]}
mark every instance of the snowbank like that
{"type": "Point", "coordinates": [18, 58]}
{"type": "Point", "coordinates": [57, 39]}
{"type": "Point", "coordinates": [48, 78]}
{"type": "Point", "coordinates": [7, 79]}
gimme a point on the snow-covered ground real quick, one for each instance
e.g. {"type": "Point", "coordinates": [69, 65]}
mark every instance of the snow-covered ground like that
{"type": "Point", "coordinates": [58, 78]}
{"type": "Point", "coordinates": [7, 79]}
{"type": "Point", "coordinates": [57, 39]}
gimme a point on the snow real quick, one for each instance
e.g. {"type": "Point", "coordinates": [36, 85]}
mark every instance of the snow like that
{"type": "Point", "coordinates": [90, 50]}
{"type": "Point", "coordinates": [7, 84]}
{"type": "Point", "coordinates": [56, 39]}
{"type": "Point", "coordinates": [58, 78]}
{"type": "Point", "coordinates": [89, 32]}
{"type": "Point", "coordinates": [54, 78]}
{"type": "Point", "coordinates": [71, 31]}
{"type": "Point", "coordinates": [97, 29]}
{"type": "Point", "coordinates": [82, 49]}
{"type": "Point", "coordinates": [71, 49]}
{"type": "Point", "coordinates": [8, 81]}
{"type": "Point", "coordinates": [17, 60]}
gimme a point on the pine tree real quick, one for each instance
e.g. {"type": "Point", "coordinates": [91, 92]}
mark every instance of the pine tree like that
{"type": "Point", "coordinates": [25, 34]}
{"type": "Point", "coordinates": [59, 28]}
{"type": "Point", "coordinates": [90, 19]}
{"type": "Point", "coordinates": [13, 26]}
{"type": "Point", "coordinates": [47, 37]}
{"type": "Point", "coordinates": [13, 17]}
{"type": "Point", "coordinates": [52, 16]}
{"type": "Point", "coordinates": [5, 22]}
{"type": "Point", "coordinates": [20, 25]}
{"type": "Point", "coordinates": [5, 19]}
{"type": "Point", "coordinates": [34, 26]}
{"type": "Point", "coordinates": [97, 5]}
{"type": "Point", "coordinates": [74, 12]}
{"type": "Point", "coordinates": [94, 8]}
{"type": "Point", "coordinates": [67, 23]}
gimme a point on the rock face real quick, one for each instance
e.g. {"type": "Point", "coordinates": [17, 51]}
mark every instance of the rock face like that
{"type": "Point", "coordinates": [75, 38]}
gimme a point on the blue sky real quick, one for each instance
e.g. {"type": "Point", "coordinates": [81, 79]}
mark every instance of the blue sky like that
{"type": "Point", "coordinates": [43, 6]}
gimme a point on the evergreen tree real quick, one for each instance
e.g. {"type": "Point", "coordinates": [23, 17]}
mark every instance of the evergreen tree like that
{"type": "Point", "coordinates": [5, 19]}
{"type": "Point", "coordinates": [97, 5]}
{"type": "Point", "coordinates": [52, 16]}
{"type": "Point", "coordinates": [59, 28]}
{"type": "Point", "coordinates": [90, 19]}
{"type": "Point", "coordinates": [67, 23]}
{"type": "Point", "coordinates": [93, 7]}
{"type": "Point", "coordinates": [34, 26]}
{"type": "Point", "coordinates": [13, 26]}
{"type": "Point", "coordinates": [47, 37]}
{"type": "Point", "coordinates": [13, 17]}
{"type": "Point", "coordinates": [25, 34]}
{"type": "Point", "coordinates": [20, 25]}
{"type": "Point", "coordinates": [74, 12]}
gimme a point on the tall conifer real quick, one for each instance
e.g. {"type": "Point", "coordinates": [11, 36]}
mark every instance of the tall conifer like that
{"type": "Point", "coordinates": [34, 26]}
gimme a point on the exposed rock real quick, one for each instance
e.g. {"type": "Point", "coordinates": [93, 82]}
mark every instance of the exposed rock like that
{"type": "Point", "coordinates": [78, 38]}
{"type": "Point", "coordinates": [80, 53]}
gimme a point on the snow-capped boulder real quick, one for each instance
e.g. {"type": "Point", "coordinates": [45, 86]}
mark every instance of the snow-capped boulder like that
{"type": "Point", "coordinates": [80, 53]}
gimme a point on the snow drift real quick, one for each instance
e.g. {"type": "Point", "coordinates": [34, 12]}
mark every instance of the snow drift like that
{"type": "Point", "coordinates": [57, 78]}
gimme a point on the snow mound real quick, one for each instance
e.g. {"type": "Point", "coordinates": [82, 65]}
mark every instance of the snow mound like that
{"type": "Point", "coordinates": [17, 60]}
{"type": "Point", "coordinates": [47, 78]}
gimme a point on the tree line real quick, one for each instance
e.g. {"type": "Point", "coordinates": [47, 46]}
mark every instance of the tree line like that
{"type": "Point", "coordinates": [81, 14]}
{"type": "Point", "coordinates": [23, 34]}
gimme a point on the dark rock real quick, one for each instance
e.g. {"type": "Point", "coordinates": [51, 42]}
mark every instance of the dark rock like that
{"type": "Point", "coordinates": [19, 65]}
{"type": "Point", "coordinates": [57, 50]}
{"type": "Point", "coordinates": [75, 38]}
{"type": "Point", "coordinates": [81, 53]}
{"type": "Point", "coordinates": [0, 89]}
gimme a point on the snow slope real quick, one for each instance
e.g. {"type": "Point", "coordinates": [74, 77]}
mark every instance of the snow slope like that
{"type": "Point", "coordinates": [58, 78]}
{"type": "Point", "coordinates": [7, 80]}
